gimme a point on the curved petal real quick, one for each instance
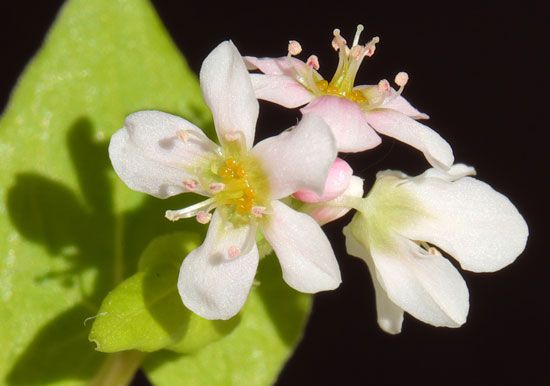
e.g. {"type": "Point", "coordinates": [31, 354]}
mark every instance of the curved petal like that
{"type": "Point", "coordinates": [468, 219]}
{"type": "Point", "coordinates": [325, 212]}
{"type": "Point", "coordinates": [347, 122]}
{"type": "Point", "coordinates": [405, 129]}
{"type": "Point", "coordinates": [338, 180]}
{"type": "Point", "coordinates": [228, 91]}
{"type": "Point", "coordinates": [399, 103]}
{"type": "Point", "coordinates": [303, 250]}
{"type": "Point", "coordinates": [455, 172]}
{"type": "Point", "coordinates": [168, 138]}
{"type": "Point", "coordinates": [390, 316]}
{"type": "Point", "coordinates": [213, 284]}
{"type": "Point", "coordinates": [298, 158]}
{"type": "Point", "coordinates": [149, 157]}
{"type": "Point", "coordinates": [275, 66]}
{"type": "Point", "coordinates": [427, 286]}
{"type": "Point", "coordinates": [280, 89]}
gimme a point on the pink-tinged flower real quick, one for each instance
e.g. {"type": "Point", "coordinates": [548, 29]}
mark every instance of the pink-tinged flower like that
{"type": "Point", "coordinates": [355, 113]}
{"type": "Point", "coordinates": [164, 155]}
{"type": "Point", "coordinates": [404, 220]}
{"type": "Point", "coordinates": [341, 186]}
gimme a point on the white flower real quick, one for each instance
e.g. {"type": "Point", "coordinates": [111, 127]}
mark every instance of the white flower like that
{"type": "Point", "coordinates": [163, 155]}
{"type": "Point", "coordinates": [403, 219]}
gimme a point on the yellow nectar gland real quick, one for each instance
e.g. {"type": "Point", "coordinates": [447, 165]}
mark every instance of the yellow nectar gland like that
{"type": "Point", "coordinates": [245, 187]}
{"type": "Point", "coordinates": [330, 89]}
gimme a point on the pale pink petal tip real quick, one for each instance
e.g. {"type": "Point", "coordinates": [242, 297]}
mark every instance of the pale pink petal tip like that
{"type": "Point", "coordinates": [337, 182]}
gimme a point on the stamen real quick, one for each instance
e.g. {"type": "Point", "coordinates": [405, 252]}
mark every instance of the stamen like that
{"type": "Point", "coordinates": [370, 47]}
{"type": "Point", "coordinates": [360, 29]}
{"type": "Point", "coordinates": [313, 62]}
{"type": "Point", "coordinates": [183, 135]}
{"type": "Point", "coordinates": [401, 79]}
{"type": "Point", "coordinates": [203, 217]}
{"type": "Point", "coordinates": [357, 52]}
{"type": "Point", "coordinates": [338, 41]}
{"type": "Point", "coordinates": [190, 184]}
{"type": "Point", "coordinates": [190, 211]}
{"type": "Point", "coordinates": [233, 251]}
{"type": "Point", "coordinates": [434, 251]}
{"type": "Point", "coordinates": [258, 211]}
{"type": "Point", "coordinates": [383, 86]}
{"type": "Point", "coordinates": [231, 136]}
{"type": "Point", "coordinates": [216, 187]}
{"type": "Point", "coordinates": [294, 48]}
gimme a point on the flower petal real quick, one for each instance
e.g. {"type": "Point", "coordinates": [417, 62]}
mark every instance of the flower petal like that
{"type": "Point", "coordinates": [213, 284]}
{"type": "Point", "coordinates": [468, 219]}
{"type": "Point", "coordinates": [305, 254]}
{"type": "Point", "coordinates": [276, 66]}
{"type": "Point", "coordinates": [427, 286]}
{"type": "Point", "coordinates": [390, 316]}
{"type": "Point", "coordinates": [347, 122]}
{"type": "Point", "coordinates": [149, 157]}
{"type": "Point", "coordinates": [405, 129]}
{"type": "Point", "coordinates": [399, 103]}
{"type": "Point", "coordinates": [325, 212]}
{"type": "Point", "coordinates": [299, 158]}
{"type": "Point", "coordinates": [280, 89]}
{"type": "Point", "coordinates": [228, 91]}
{"type": "Point", "coordinates": [337, 182]}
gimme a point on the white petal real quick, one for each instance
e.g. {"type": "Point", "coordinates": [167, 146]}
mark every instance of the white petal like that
{"type": "Point", "coordinates": [347, 122]}
{"type": "Point", "coordinates": [149, 157]}
{"type": "Point", "coordinates": [211, 283]}
{"type": "Point", "coordinates": [405, 129]}
{"type": "Point", "coordinates": [456, 172]}
{"type": "Point", "coordinates": [426, 286]}
{"type": "Point", "coordinates": [390, 316]}
{"type": "Point", "coordinates": [305, 254]}
{"type": "Point", "coordinates": [228, 91]}
{"type": "Point", "coordinates": [280, 89]}
{"type": "Point", "coordinates": [299, 158]}
{"type": "Point", "coordinates": [468, 219]}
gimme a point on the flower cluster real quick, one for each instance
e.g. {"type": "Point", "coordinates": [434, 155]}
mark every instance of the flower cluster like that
{"type": "Point", "coordinates": [282, 189]}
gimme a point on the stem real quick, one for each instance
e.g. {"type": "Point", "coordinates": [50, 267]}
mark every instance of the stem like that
{"type": "Point", "coordinates": [118, 369]}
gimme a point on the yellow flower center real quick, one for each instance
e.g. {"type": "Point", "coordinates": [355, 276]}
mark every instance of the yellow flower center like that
{"type": "Point", "coordinates": [330, 89]}
{"type": "Point", "coordinates": [244, 188]}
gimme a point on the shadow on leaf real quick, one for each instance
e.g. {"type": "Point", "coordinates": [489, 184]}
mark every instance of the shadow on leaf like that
{"type": "Point", "coordinates": [83, 229]}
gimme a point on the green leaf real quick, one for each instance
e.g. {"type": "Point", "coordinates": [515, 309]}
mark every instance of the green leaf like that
{"type": "Point", "coordinates": [69, 229]}
{"type": "Point", "coordinates": [253, 354]}
{"type": "Point", "coordinates": [145, 311]}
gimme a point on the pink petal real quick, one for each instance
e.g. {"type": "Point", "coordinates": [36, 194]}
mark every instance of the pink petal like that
{"type": "Point", "coordinates": [275, 66]}
{"type": "Point", "coordinates": [280, 89]}
{"type": "Point", "coordinates": [337, 182]}
{"type": "Point", "coordinates": [405, 129]}
{"type": "Point", "coordinates": [305, 254]}
{"type": "Point", "coordinates": [395, 102]}
{"type": "Point", "coordinates": [298, 158]}
{"type": "Point", "coordinates": [228, 91]}
{"type": "Point", "coordinates": [325, 212]}
{"type": "Point", "coordinates": [347, 122]}
{"type": "Point", "coordinates": [399, 103]}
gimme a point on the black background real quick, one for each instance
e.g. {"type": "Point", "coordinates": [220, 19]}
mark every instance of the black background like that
{"type": "Point", "coordinates": [480, 72]}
